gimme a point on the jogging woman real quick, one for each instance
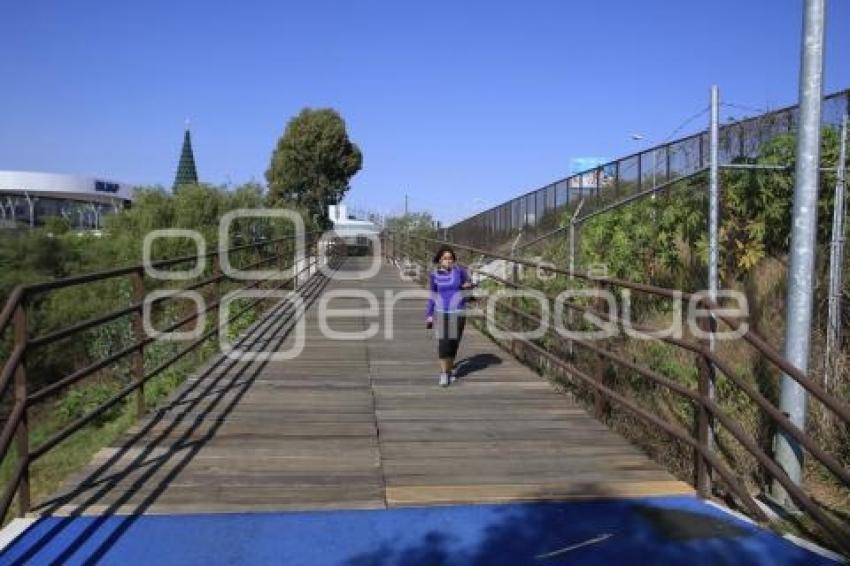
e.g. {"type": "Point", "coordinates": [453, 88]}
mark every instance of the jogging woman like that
{"type": "Point", "coordinates": [446, 307]}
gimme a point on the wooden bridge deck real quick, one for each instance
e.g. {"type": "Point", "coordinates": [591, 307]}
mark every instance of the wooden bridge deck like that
{"type": "Point", "coordinates": [359, 424]}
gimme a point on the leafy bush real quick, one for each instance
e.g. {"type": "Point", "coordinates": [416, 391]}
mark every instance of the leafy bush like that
{"type": "Point", "coordinates": [82, 400]}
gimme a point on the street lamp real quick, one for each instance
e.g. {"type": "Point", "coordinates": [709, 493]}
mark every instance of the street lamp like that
{"type": "Point", "coordinates": [641, 137]}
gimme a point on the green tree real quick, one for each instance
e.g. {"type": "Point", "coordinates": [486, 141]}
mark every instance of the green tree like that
{"type": "Point", "coordinates": [406, 230]}
{"type": "Point", "coordinates": [418, 223]}
{"type": "Point", "coordinates": [758, 204]}
{"type": "Point", "coordinates": [313, 162]}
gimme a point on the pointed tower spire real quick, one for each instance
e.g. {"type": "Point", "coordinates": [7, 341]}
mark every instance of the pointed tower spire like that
{"type": "Point", "coordinates": [186, 172]}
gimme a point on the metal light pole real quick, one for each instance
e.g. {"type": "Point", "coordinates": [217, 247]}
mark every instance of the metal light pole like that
{"type": "Point", "coordinates": [641, 137]}
{"type": "Point", "coordinates": [836, 263]}
{"type": "Point", "coordinates": [713, 196]}
{"type": "Point", "coordinates": [713, 236]}
{"type": "Point", "coordinates": [802, 254]}
{"type": "Point", "coordinates": [573, 238]}
{"type": "Point", "coordinates": [573, 260]}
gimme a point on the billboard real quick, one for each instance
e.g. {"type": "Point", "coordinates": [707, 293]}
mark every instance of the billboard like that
{"type": "Point", "coordinates": [588, 165]}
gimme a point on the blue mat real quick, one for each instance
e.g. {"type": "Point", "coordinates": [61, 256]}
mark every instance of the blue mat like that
{"type": "Point", "coordinates": [659, 530]}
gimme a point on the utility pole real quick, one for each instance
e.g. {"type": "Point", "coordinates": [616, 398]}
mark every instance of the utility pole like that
{"type": "Point", "coordinates": [713, 242]}
{"type": "Point", "coordinates": [405, 204]}
{"type": "Point", "coordinates": [800, 299]}
{"type": "Point", "coordinates": [714, 196]}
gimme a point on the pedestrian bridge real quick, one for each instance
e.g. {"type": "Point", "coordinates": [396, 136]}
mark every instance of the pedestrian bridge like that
{"type": "Point", "coordinates": [351, 453]}
{"type": "Point", "coordinates": [360, 424]}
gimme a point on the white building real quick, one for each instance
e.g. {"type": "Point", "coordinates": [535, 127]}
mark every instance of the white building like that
{"type": "Point", "coordinates": [359, 235]}
{"type": "Point", "coordinates": [27, 198]}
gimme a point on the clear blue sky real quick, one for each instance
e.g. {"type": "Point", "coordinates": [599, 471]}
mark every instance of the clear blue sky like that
{"type": "Point", "coordinates": [460, 104]}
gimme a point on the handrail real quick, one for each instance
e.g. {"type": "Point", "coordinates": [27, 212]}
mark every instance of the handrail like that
{"type": "Point", "coordinates": [133, 307]}
{"type": "Point", "coordinates": [63, 434]}
{"type": "Point", "coordinates": [839, 535]}
{"type": "Point", "coordinates": [829, 461]}
{"type": "Point", "coordinates": [835, 405]}
{"type": "Point", "coordinates": [127, 270]}
{"type": "Point", "coordinates": [737, 432]}
{"type": "Point", "coordinates": [23, 343]}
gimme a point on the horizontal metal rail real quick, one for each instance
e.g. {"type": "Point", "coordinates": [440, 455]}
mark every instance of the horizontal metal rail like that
{"type": "Point", "coordinates": [134, 307]}
{"type": "Point", "coordinates": [119, 271]}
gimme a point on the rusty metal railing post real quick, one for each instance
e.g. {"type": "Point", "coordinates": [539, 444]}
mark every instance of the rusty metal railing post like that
{"type": "Point", "coordinates": [601, 408]}
{"type": "Point", "coordinates": [385, 251]}
{"type": "Point", "coordinates": [137, 361]}
{"type": "Point", "coordinates": [22, 438]}
{"type": "Point", "coordinates": [702, 470]}
{"type": "Point", "coordinates": [216, 272]}
{"type": "Point", "coordinates": [312, 258]}
{"type": "Point", "coordinates": [279, 247]}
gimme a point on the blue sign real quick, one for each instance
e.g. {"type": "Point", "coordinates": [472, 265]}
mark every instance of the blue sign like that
{"type": "Point", "coordinates": [105, 187]}
{"type": "Point", "coordinates": [581, 164]}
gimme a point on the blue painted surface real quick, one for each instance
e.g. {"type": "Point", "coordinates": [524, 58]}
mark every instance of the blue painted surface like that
{"type": "Point", "coordinates": [642, 531]}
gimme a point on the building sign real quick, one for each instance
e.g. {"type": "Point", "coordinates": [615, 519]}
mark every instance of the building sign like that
{"type": "Point", "coordinates": [105, 187]}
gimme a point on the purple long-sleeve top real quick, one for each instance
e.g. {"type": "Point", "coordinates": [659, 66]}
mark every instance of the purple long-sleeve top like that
{"type": "Point", "coordinates": [447, 294]}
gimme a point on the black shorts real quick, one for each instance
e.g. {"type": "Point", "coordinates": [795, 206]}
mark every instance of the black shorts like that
{"type": "Point", "coordinates": [449, 330]}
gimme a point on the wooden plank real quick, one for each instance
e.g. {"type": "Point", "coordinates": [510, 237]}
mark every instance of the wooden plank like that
{"type": "Point", "coordinates": [437, 495]}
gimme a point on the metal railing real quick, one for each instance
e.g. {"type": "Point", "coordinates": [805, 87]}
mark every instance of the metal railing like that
{"type": "Point", "coordinates": [706, 408]}
{"type": "Point", "coordinates": [15, 314]}
{"type": "Point", "coordinates": [633, 176]}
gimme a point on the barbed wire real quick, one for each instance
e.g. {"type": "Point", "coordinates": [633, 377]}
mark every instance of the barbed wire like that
{"type": "Point", "coordinates": [745, 107]}
{"type": "Point", "coordinates": [681, 126]}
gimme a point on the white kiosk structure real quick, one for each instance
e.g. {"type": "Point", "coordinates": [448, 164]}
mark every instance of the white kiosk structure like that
{"type": "Point", "coordinates": [358, 235]}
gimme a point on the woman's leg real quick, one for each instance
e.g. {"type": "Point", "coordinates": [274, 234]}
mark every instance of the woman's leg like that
{"type": "Point", "coordinates": [446, 364]}
{"type": "Point", "coordinates": [459, 321]}
{"type": "Point", "coordinates": [444, 346]}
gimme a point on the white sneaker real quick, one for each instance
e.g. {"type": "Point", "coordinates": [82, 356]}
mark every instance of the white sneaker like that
{"type": "Point", "coordinates": [444, 380]}
{"type": "Point", "coordinates": [453, 376]}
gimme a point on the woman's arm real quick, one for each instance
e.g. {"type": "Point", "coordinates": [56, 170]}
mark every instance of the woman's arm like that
{"type": "Point", "coordinates": [465, 279]}
{"type": "Point", "coordinates": [429, 309]}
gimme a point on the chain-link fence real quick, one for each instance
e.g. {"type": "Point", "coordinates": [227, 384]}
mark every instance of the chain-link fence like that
{"type": "Point", "coordinates": [543, 209]}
